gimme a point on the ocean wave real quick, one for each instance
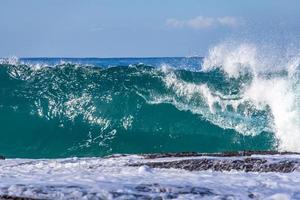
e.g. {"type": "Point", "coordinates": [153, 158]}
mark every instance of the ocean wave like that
{"type": "Point", "coordinates": [230, 103]}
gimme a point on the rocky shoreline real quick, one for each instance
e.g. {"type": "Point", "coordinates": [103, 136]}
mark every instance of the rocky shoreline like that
{"type": "Point", "coordinates": [246, 165]}
{"type": "Point", "coordinates": [228, 175]}
{"type": "Point", "coordinates": [222, 154]}
{"type": "Point", "coordinates": [246, 161]}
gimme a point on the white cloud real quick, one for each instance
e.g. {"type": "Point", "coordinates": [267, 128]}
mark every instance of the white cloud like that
{"type": "Point", "coordinates": [228, 21]}
{"type": "Point", "coordinates": [196, 23]}
{"type": "Point", "coordinates": [201, 22]}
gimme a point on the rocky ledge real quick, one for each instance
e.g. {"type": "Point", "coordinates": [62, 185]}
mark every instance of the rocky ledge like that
{"type": "Point", "coordinates": [8, 197]}
{"type": "Point", "coordinates": [222, 154]}
{"type": "Point", "coordinates": [248, 161]}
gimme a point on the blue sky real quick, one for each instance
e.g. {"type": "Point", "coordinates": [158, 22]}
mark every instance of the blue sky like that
{"type": "Point", "coordinates": [137, 28]}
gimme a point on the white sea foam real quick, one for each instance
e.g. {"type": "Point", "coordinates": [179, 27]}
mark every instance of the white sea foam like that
{"type": "Point", "coordinates": [112, 178]}
{"type": "Point", "coordinates": [278, 92]}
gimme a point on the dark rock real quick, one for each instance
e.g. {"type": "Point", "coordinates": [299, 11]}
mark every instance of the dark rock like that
{"type": "Point", "coordinates": [223, 154]}
{"type": "Point", "coordinates": [247, 164]}
{"type": "Point", "coordinates": [201, 191]}
{"type": "Point", "coordinates": [251, 196]}
{"type": "Point", "coordinates": [9, 197]}
{"type": "Point", "coordinates": [143, 188]}
{"type": "Point", "coordinates": [2, 157]}
{"type": "Point", "coordinates": [124, 195]}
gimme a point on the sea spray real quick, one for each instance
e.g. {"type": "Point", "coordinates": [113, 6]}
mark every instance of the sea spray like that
{"type": "Point", "coordinates": [274, 86]}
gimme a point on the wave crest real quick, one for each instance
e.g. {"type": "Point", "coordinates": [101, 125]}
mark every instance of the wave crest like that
{"type": "Point", "coordinates": [274, 85]}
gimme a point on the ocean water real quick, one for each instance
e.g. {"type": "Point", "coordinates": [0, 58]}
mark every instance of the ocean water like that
{"type": "Point", "coordinates": [232, 99]}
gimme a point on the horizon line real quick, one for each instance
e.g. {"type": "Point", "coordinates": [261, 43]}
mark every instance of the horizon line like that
{"type": "Point", "coordinates": [121, 57]}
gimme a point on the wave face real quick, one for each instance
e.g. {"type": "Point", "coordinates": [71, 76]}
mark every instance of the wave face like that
{"type": "Point", "coordinates": [94, 107]}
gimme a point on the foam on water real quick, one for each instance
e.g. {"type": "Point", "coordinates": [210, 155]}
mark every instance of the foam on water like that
{"type": "Point", "coordinates": [275, 85]}
{"type": "Point", "coordinates": [114, 178]}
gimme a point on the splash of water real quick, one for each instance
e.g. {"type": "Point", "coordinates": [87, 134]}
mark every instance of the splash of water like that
{"type": "Point", "coordinates": [274, 85]}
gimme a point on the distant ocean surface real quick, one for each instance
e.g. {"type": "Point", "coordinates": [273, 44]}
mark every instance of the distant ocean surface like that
{"type": "Point", "coordinates": [63, 107]}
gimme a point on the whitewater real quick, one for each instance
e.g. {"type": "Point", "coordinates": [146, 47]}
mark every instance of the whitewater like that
{"type": "Point", "coordinates": [274, 85]}
{"type": "Point", "coordinates": [116, 178]}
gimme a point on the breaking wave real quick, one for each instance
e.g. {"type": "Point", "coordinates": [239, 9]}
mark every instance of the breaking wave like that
{"type": "Point", "coordinates": [237, 100]}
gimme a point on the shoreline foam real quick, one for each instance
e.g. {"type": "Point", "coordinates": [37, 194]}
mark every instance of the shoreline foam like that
{"type": "Point", "coordinates": [154, 176]}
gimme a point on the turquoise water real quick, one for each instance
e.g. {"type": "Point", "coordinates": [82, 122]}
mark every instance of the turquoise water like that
{"type": "Point", "coordinates": [58, 107]}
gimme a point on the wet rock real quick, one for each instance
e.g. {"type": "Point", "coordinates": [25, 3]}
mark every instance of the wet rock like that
{"type": "Point", "coordinates": [9, 197]}
{"type": "Point", "coordinates": [251, 196]}
{"type": "Point", "coordinates": [143, 188]}
{"type": "Point", "coordinates": [2, 157]}
{"type": "Point", "coordinates": [201, 191]}
{"type": "Point", "coordinates": [247, 164]}
{"type": "Point", "coordinates": [223, 154]}
{"type": "Point", "coordinates": [121, 195]}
